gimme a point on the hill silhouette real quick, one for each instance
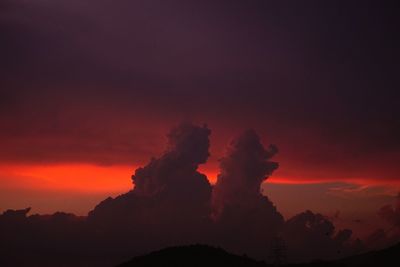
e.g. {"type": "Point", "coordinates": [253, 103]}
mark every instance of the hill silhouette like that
{"type": "Point", "coordinates": [193, 255]}
{"type": "Point", "coordinates": [203, 255]}
{"type": "Point", "coordinates": [386, 258]}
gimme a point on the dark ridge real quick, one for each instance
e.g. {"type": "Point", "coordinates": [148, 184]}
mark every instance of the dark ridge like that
{"type": "Point", "coordinates": [194, 256]}
{"type": "Point", "coordinates": [389, 257]}
{"type": "Point", "coordinates": [202, 255]}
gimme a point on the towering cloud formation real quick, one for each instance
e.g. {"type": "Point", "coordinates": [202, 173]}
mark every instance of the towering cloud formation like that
{"type": "Point", "coordinates": [173, 204]}
{"type": "Point", "coordinates": [243, 169]}
{"type": "Point", "coordinates": [170, 199]}
{"type": "Point", "coordinates": [175, 172]}
{"type": "Point", "coordinates": [246, 218]}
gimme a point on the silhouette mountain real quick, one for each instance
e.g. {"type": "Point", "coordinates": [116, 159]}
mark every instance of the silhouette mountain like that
{"type": "Point", "coordinates": [386, 258]}
{"type": "Point", "coordinates": [193, 255]}
{"type": "Point", "coordinates": [202, 255]}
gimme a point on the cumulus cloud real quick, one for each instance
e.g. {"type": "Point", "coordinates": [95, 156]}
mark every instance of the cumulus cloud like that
{"type": "Point", "coordinates": [172, 203]}
{"type": "Point", "coordinates": [169, 205]}
{"type": "Point", "coordinates": [310, 235]}
{"type": "Point", "coordinates": [245, 219]}
{"type": "Point", "coordinates": [14, 215]}
{"type": "Point", "coordinates": [44, 240]}
{"type": "Point", "coordinates": [381, 238]}
{"type": "Point", "coordinates": [378, 239]}
{"type": "Point", "coordinates": [246, 165]}
{"type": "Point", "coordinates": [170, 198]}
{"type": "Point", "coordinates": [391, 213]}
{"type": "Point", "coordinates": [175, 171]}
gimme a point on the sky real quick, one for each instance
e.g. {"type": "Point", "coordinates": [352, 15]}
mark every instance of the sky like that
{"type": "Point", "coordinates": [88, 90]}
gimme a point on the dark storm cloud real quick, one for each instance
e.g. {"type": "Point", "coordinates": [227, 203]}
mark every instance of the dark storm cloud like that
{"type": "Point", "coordinates": [244, 217]}
{"type": "Point", "coordinates": [170, 205]}
{"type": "Point", "coordinates": [170, 198]}
{"type": "Point", "coordinates": [187, 148]}
{"type": "Point", "coordinates": [246, 165]}
{"type": "Point", "coordinates": [390, 234]}
{"type": "Point", "coordinates": [308, 234]}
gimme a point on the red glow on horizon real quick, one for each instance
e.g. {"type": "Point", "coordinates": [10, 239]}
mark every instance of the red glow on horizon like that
{"type": "Point", "coordinates": [68, 177]}
{"type": "Point", "coordinates": [116, 178]}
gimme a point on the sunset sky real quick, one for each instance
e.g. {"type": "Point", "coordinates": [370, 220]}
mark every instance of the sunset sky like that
{"type": "Point", "coordinates": [88, 91]}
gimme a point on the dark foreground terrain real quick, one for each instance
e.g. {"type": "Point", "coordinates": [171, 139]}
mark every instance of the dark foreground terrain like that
{"type": "Point", "coordinates": [195, 255]}
{"type": "Point", "coordinates": [200, 255]}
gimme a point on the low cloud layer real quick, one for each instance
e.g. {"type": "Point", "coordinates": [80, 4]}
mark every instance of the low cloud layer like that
{"type": "Point", "coordinates": [308, 234]}
{"type": "Point", "coordinates": [391, 213]}
{"type": "Point", "coordinates": [391, 233]}
{"type": "Point", "coordinates": [174, 204]}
